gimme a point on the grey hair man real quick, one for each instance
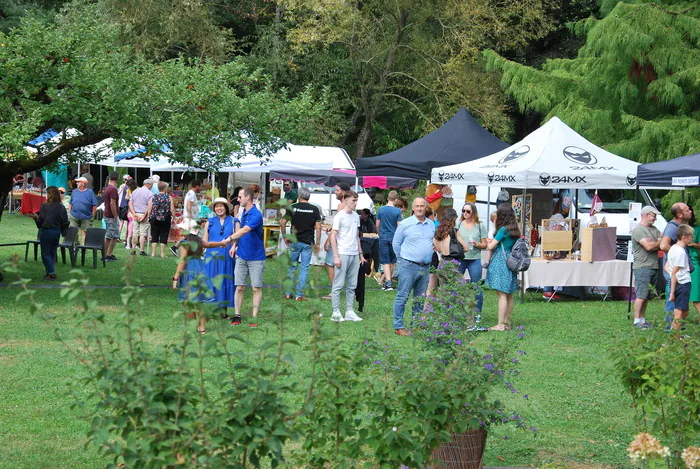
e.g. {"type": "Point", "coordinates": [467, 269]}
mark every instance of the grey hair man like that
{"type": "Point", "coordinates": [646, 240]}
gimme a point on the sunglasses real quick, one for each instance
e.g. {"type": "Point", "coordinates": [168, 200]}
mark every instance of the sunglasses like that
{"type": "Point", "coordinates": [466, 211]}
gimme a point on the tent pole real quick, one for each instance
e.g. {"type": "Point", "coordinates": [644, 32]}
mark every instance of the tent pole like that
{"type": "Point", "coordinates": [523, 209]}
{"type": "Point", "coordinates": [629, 291]}
{"type": "Point", "coordinates": [488, 209]}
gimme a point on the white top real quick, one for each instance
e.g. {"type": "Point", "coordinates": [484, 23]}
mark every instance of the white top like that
{"type": "Point", "coordinates": [348, 227]}
{"type": "Point", "coordinates": [191, 197]}
{"type": "Point", "coordinates": [677, 257]}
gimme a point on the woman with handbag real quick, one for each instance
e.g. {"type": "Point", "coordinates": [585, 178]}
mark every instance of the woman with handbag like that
{"type": "Point", "coordinates": [448, 242]}
{"type": "Point", "coordinates": [498, 275]}
{"type": "Point", "coordinates": [52, 222]}
{"type": "Point", "coordinates": [162, 209]}
{"type": "Point", "coordinates": [474, 232]}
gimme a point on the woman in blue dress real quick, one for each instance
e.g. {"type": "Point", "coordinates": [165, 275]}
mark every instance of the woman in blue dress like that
{"type": "Point", "coordinates": [191, 276]}
{"type": "Point", "coordinates": [218, 261]}
{"type": "Point", "coordinates": [499, 276]}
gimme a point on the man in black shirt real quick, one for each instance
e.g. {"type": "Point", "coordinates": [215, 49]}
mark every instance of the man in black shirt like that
{"type": "Point", "coordinates": [306, 219]}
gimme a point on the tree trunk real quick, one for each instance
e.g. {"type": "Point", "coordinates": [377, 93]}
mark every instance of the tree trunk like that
{"type": "Point", "coordinates": [5, 188]}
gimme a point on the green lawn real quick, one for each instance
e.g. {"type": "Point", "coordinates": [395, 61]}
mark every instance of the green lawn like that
{"type": "Point", "coordinates": [582, 417]}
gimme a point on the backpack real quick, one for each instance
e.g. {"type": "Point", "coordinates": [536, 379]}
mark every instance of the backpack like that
{"type": "Point", "coordinates": [456, 249]}
{"type": "Point", "coordinates": [519, 258]}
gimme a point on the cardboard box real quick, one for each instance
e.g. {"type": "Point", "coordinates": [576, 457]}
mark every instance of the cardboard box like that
{"type": "Point", "coordinates": [598, 244]}
{"type": "Point", "coordinates": [556, 241]}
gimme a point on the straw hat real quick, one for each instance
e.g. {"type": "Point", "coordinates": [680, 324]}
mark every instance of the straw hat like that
{"type": "Point", "coordinates": [221, 200]}
{"type": "Point", "coordinates": [190, 226]}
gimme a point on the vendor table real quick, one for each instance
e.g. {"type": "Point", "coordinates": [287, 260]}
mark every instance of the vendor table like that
{"type": "Point", "coordinates": [267, 229]}
{"type": "Point", "coordinates": [31, 203]}
{"type": "Point", "coordinates": [568, 273]}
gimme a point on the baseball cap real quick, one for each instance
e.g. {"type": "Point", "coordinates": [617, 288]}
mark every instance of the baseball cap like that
{"type": "Point", "coordinates": [62, 190]}
{"type": "Point", "coordinates": [649, 209]}
{"type": "Point", "coordinates": [81, 179]}
{"type": "Point", "coordinates": [126, 177]}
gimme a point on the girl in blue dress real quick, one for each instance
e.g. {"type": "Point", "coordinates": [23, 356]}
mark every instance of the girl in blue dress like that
{"type": "Point", "coordinates": [191, 277]}
{"type": "Point", "coordinates": [499, 276]}
{"type": "Point", "coordinates": [218, 261]}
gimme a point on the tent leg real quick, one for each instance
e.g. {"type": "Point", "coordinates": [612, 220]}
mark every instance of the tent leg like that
{"type": "Point", "coordinates": [522, 213]}
{"type": "Point", "coordinates": [488, 209]}
{"type": "Point", "coordinates": [629, 291]}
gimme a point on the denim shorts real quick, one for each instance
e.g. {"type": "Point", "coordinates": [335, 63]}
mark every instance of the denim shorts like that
{"type": "Point", "coordinates": [642, 278]}
{"type": "Point", "coordinates": [681, 299]}
{"type": "Point", "coordinates": [249, 269]}
{"type": "Point", "coordinates": [386, 252]}
{"type": "Point", "coordinates": [329, 256]}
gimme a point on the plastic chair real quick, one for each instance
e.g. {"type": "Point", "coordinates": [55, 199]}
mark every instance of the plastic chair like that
{"type": "Point", "coordinates": [69, 242]}
{"type": "Point", "coordinates": [94, 241]}
{"type": "Point", "coordinates": [35, 242]}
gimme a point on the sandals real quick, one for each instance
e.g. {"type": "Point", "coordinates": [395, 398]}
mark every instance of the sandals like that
{"type": "Point", "coordinates": [201, 331]}
{"type": "Point", "coordinates": [500, 327]}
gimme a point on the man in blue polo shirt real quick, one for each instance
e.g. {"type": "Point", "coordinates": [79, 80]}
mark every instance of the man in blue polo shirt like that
{"type": "Point", "coordinates": [82, 207]}
{"type": "Point", "coordinates": [388, 219]}
{"type": "Point", "coordinates": [250, 255]}
{"type": "Point", "coordinates": [413, 245]}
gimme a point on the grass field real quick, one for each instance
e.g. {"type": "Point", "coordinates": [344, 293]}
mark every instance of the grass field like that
{"type": "Point", "coordinates": [582, 417]}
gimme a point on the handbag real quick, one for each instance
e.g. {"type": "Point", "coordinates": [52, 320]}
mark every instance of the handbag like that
{"type": "Point", "coordinates": [123, 213]}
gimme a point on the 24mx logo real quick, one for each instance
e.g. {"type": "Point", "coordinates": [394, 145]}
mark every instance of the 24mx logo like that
{"type": "Point", "coordinates": [546, 179]}
{"type": "Point", "coordinates": [443, 176]}
{"type": "Point", "coordinates": [500, 178]}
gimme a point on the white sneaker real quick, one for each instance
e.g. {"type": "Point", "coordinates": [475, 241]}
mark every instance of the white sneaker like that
{"type": "Point", "coordinates": [351, 316]}
{"type": "Point", "coordinates": [337, 317]}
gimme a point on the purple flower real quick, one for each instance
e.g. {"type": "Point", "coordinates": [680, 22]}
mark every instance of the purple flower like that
{"type": "Point", "coordinates": [377, 362]}
{"type": "Point", "coordinates": [526, 396]}
{"type": "Point", "coordinates": [488, 366]}
{"type": "Point", "coordinates": [521, 327]}
{"type": "Point", "coordinates": [505, 437]}
{"type": "Point", "coordinates": [515, 360]}
{"type": "Point", "coordinates": [521, 335]}
{"type": "Point", "coordinates": [521, 352]}
{"type": "Point", "coordinates": [458, 342]}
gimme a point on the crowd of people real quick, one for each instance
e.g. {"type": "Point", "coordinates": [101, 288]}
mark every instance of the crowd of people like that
{"type": "Point", "coordinates": [679, 247]}
{"type": "Point", "coordinates": [229, 246]}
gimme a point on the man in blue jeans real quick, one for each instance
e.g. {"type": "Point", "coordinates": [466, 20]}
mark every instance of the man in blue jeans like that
{"type": "Point", "coordinates": [681, 215]}
{"type": "Point", "coordinates": [388, 219]}
{"type": "Point", "coordinates": [413, 245]}
{"type": "Point", "coordinates": [306, 219]}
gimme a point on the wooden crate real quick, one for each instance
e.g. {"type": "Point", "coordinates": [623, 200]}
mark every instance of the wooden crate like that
{"type": "Point", "coordinates": [598, 244]}
{"type": "Point", "coordinates": [557, 241]}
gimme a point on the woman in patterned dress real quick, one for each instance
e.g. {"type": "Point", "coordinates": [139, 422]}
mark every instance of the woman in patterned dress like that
{"type": "Point", "coordinates": [499, 276]}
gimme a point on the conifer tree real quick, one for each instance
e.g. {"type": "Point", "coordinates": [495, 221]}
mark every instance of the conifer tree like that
{"type": "Point", "coordinates": [635, 85]}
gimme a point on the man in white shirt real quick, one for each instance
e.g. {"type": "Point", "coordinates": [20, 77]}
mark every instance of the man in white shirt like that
{"type": "Point", "coordinates": [347, 256]}
{"type": "Point", "coordinates": [190, 209]}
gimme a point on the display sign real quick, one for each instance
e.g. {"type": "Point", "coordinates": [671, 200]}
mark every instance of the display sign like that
{"type": "Point", "coordinates": [685, 181]}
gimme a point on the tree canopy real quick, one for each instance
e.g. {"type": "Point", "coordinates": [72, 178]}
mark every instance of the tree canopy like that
{"type": "Point", "coordinates": [76, 73]}
{"type": "Point", "coordinates": [635, 85]}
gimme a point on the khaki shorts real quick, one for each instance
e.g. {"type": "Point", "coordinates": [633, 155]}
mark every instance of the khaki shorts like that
{"type": "Point", "coordinates": [141, 227]}
{"type": "Point", "coordinates": [112, 225]}
{"type": "Point", "coordinates": [82, 224]}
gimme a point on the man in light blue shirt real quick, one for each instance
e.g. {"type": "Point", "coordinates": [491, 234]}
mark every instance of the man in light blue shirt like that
{"type": "Point", "coordinates": [413, 245]}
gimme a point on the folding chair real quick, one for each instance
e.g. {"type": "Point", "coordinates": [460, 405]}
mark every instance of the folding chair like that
{"type": "Point", "coordinates": [94, 241]}
{"type": "Point", "coordinates": [35, 242]}
{"type": "Point", "coordinates": [69, 242]}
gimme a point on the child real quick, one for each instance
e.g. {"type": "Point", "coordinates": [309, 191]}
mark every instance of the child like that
{"type": "Point", "coordinates": [678, 267]}
{"type": "Point", "coordinates": [191, 275]}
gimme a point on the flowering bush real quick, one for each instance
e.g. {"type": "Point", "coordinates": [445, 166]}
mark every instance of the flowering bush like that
{"type": "Point", "coordinates": [662, 374]}
{"type": "Point", "coordinates": [648, 449]}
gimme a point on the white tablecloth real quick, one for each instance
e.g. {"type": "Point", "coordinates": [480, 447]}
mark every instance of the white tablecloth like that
{"type": "Point", "coordinates": [565, 273]}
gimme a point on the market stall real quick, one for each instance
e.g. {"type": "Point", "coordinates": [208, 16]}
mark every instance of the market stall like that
{"type": "Point", "coordinates": [552, 157]}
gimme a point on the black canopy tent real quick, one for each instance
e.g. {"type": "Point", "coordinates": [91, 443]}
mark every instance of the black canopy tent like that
{"type": "Point", "coordinates": [332, 178]}
{"type": "Point", "coordinates": [460, 139]}
{"type": "Point", "coordinates": [676, 174]}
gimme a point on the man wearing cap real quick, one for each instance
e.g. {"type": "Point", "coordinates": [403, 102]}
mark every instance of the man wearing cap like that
{"type": "Point", "coordinates": [140, 207]}
{"type": "Point", "coordinates": [111, 211]}
{"type": "Point", "coordinates": [646, 240]}
{"type": "Point", "coordinates": [82, 207]}
{"type": "Point", "coordinates": [156, 179]}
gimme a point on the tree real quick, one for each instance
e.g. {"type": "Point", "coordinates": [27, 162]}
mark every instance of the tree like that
{"type": "Point", "coordinates": [406, 56]}
{"type": "Point", "coordinates": [75, 74]}
{"type": "Point", "coordinates": [635, 85]}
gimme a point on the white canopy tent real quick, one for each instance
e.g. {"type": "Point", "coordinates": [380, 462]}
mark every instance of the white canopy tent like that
{"type": "Point", "coordinates": [552, 157]}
